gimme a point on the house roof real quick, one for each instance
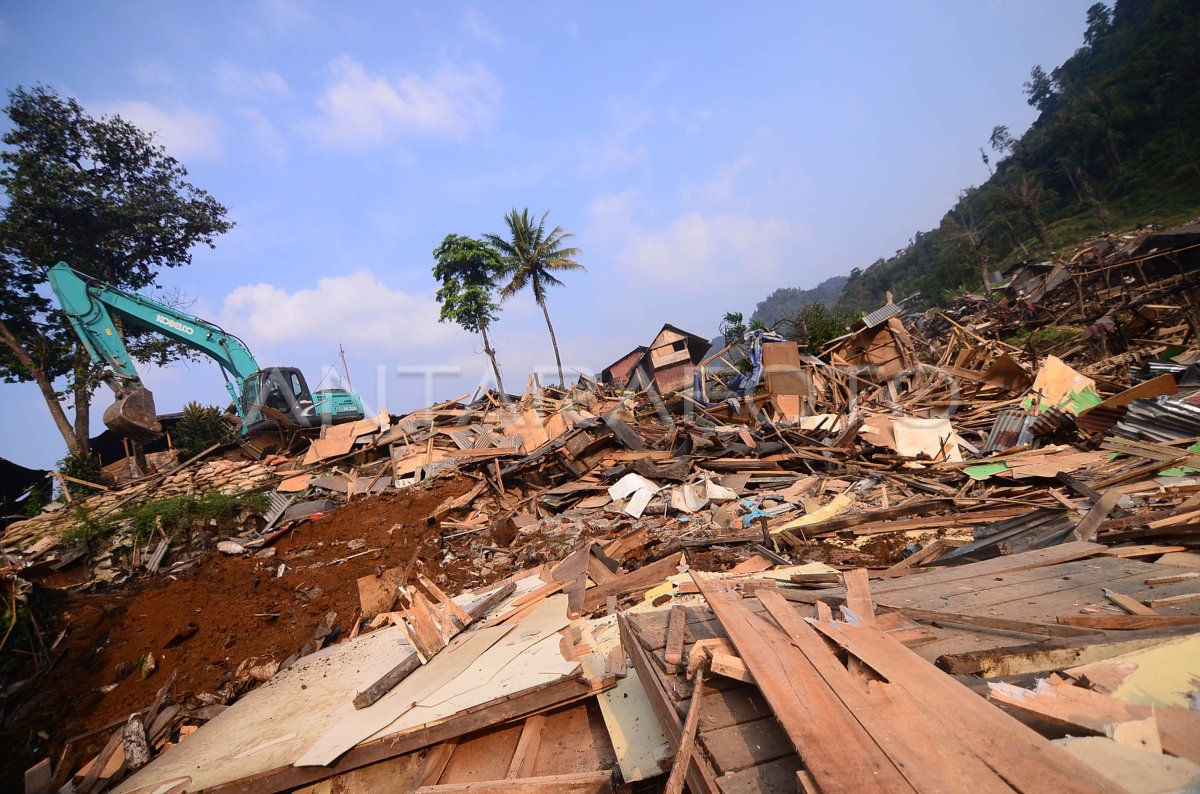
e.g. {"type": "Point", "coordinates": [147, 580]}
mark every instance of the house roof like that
{"type": "Point", "coordinates": [635, 353]}
{"type": "Point", "coordinates": [678, 330]}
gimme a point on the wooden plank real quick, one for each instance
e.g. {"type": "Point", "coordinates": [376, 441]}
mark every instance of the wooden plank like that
{"type": "Point", "coordinates": [858, 595]}
{"type": "Point", "coordinates": [701, 777]}
{"type": "Point", "coordinates": [1085, 530]}
{"type": "Point", "coordinates": [1173, 577]}
{"type": "Point", "coordinates": [575, 783]}
{"type": "Point", "coordinates": [999, 624]}
{"type": "Point", "coordinates": [1143, 550]}
{"type": "Point", "coordinates": [1129, 622]}
{"type": "Point", "coordinates": [39, 778]}
{"type": "Point", "coordinates": [435, 762]}
{"type": "Point", "coordinates": [931, 757]}
{"type": "Point", "coordinates": [922, 507]}
{"type": "Point", "coordinates": [573, 573]}
{"type": "Point", "coordinates": [597, 571]}
{"type": "Point", "coordinates": [634, 582]}
{"type": "Point", "coordinates": [1173, 600]}
{"type": "Point", "coordinates": [683, 755]}
{"type": "Point", "coordinates": [777, 775]}
{"type": "Point", "coordinates": [1128, 603]}
{"type": "Point", "coordinates": [525, 755]}
{"type": "Point", "coordinates": [466, 721]}
{"type": "Point", "coordinates": [1083, 579]}
{"type": "Point", "coordinates": [746, 745]}
{"type": "Point", "coordinates": [1055, 654]}
{"type": "Point", "coordinates": [483, 756]}
{"type": "Point", "coordinates": [730, 666]}
{"type": "Point", "coordinates": [835, 748]}
{"type": "Point", "coordinates": [1083, 709]}
{"type": "Point", "coordinates": [1037, 558]}
{"type": "Point", "coordinates": [388, 681]}
{"type": "Point", "coordinates": [674, 643]}
{"type": "Point", "coordinates": [1023, 758]}
{"type": "Point", "coordinates": [732, 706]}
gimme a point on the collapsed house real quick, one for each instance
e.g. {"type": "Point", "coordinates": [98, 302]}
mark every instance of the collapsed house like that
{"type": "Point", "coordinates": [952, 551]}
{"type": "Point", "coordinates": [667, 363]}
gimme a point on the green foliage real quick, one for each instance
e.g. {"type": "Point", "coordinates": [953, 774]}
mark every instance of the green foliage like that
{"type": "Point", "coordinates": [732, 327]}
{"type": "Point", "coordinates": [785, 302]}
{"type": "Point", "coordinates": [180, 513]}
{"type": "Point", "coordinates": [814, 325]}
{"type": "Point", "coordinates": [35, 503]}
{"type": "Point", "coordinates": [102, 196]}
{"type": "Point", "coordinates": [82, 467]}
{"type": "Point", "coordinates": [199, 428]}
{"type": "Point", "coordinates": [15, 634]}
{"type": "Point", "coordinates": [1044, 338]}
{"type": "Point", "coordinates": [1117, 143]}
{"type": "Point", "coordinates": [468, 270]}
{"type": "Point", "coordinates": [175, 514]}
{"type": "Point", "coordinates": [531, 257]}
{"type": "Point", "coordinates": [87, 527]}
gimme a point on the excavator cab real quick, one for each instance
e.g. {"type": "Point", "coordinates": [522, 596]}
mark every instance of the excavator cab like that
{"type": "Point", "coordinates": [284, 394]}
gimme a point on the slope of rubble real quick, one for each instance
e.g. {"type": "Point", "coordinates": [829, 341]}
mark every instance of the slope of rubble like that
{"type": "Point", "coordinates": [1040, 445]}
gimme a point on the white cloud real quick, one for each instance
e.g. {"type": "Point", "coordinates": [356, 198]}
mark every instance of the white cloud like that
{"type": "Point", "coordinates": [360, 109]}
{"type": "Point", "coordinates": [691, 122]}
{"type": "Point", "coordinates": [153, 73]}
{"type": "Point", "coordinates": [698, 252]}
{"type": "Point", "coordinates": [356, 308]}
{"type": "Point", "coordinates": [474, 26]}
{"type": "Point", "coordinates": [264, 132]}
{"type": "Point", "coordinates": [184, 133]}
{"type": "Point", "coordinates": [619, 148]}
{"type": "Point", "coordinates": [239, 82]}
{"type": "Point", "coordinates": [285, 15]}
{"type": "Point", "coordinates": [719, 187]}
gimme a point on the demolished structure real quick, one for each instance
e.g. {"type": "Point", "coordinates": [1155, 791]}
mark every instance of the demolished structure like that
{"type": "Point", "coordinates": [950, 551]}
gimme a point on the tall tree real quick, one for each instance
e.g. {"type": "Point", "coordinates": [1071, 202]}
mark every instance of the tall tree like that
{"type": "Point", "coordinates": [531, 257]}
{"type": "Point", "coordinates": [102, 196]}
{"type": "Point", "coordinates": [468, 270]}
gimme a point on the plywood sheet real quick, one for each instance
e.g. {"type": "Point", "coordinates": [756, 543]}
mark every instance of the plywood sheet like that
{"type": "Point", "coordinates": [490, 663]}
{"type": "Point", "coordinates": [636, 736]}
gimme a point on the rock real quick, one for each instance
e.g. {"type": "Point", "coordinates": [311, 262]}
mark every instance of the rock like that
{"type": "Point", "coordinates": [133, 742]}
{"type": "Point", "coordinates": [231, 548]}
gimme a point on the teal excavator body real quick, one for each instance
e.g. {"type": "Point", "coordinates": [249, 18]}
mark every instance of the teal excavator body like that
{"type": "Point", "coordinates": [262, 398]}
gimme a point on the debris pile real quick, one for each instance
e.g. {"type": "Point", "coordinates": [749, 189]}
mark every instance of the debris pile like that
{"type": "Point", "coordinates": [948, 550]}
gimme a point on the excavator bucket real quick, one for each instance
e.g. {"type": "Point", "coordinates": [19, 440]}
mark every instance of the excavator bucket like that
{"type": "Point", "coordinates": [133, 416]}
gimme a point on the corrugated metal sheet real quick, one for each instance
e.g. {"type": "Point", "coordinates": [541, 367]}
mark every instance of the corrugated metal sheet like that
{"type": "Point", "coordinates": [1100, 419]}
{"type": "Point", "coordinates": [882, 315]}
{"type": "Point", "coordinates": [1033, 530]}
{"type": "Point", "coordinates": [1009, 430]}
{"type": "Point", "coordinates": [1160, 419]}
{"type": "Point", "coordinates": [1051, 421]}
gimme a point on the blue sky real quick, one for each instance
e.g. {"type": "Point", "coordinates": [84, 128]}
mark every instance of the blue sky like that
{"type": "Point", "coordinates": [703, 154]}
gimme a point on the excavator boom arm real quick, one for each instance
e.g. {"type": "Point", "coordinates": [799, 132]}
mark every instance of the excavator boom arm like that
{"type": "Point", "coordinates": [89, 306]}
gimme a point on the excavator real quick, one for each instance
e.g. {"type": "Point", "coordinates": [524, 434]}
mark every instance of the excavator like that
{"type": "Point", "coordinates": [263, 398]}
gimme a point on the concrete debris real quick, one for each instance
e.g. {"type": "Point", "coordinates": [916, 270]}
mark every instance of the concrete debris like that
{"type": "Point", "coordinates": [671, 576]}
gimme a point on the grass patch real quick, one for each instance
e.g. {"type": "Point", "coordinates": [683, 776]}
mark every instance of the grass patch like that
{"type": "Point", "coordinates": [181, 513]}
{"type": "Point", "coordinates": [176, 514]}
{"type": "Point", "coordinates": [1043, 338]}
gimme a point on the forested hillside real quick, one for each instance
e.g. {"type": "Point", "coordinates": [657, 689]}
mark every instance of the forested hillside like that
{"type": "Point", "coordinates": [1117, 143]}
{"type": "Point", "coordinates": [786, 302]}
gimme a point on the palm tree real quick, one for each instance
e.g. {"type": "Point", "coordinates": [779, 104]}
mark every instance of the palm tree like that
{"type": "Point", "coordinates": [531, 257]}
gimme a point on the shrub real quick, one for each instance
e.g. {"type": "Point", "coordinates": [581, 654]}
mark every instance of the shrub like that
{"type": "Point", "coordinates": [199, 428]}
